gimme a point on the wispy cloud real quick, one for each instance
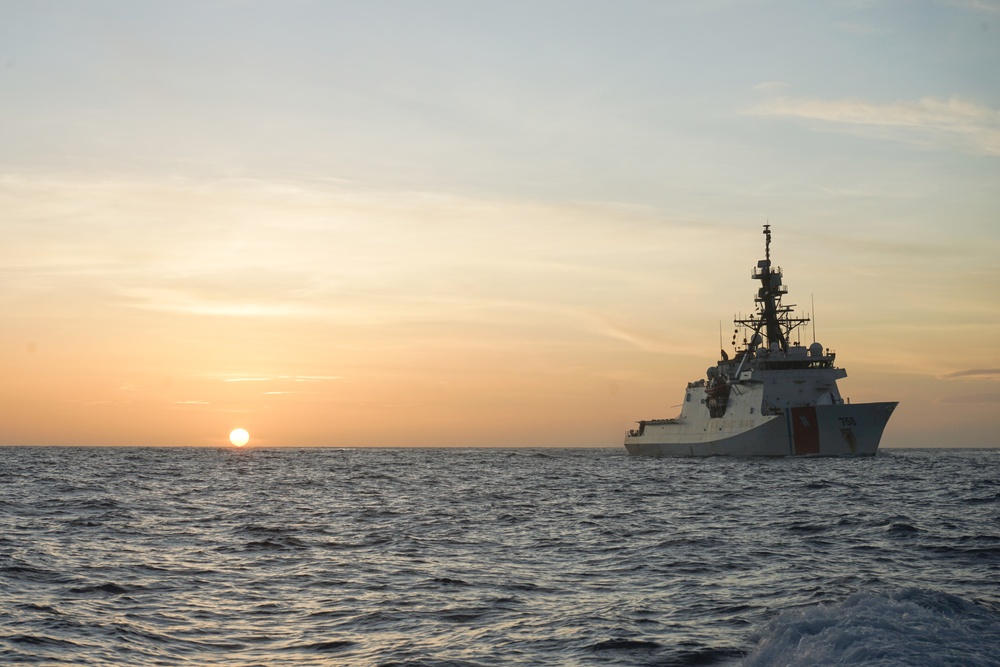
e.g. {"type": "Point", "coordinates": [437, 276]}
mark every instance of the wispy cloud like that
{"type": "Point", "coordinates": [966, 399]}
{"type": "Point", "coordinates": [178, 301]}
{"type": "Point", "coordinates": [773, 87]}
{"type": "Point", "coordinates": [929, 121]}
{"type": "Point", "coordinates": [865, 29]}
{"type": "Point", "coordinates": [287, 378]}
{"type": "Point", "coordinates": [978, 5]}
{"type": "Point", "coordinates": [975, 373]}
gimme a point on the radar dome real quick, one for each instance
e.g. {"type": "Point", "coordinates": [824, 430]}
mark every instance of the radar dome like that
{"type": "Point", "coordinates": [816, 350]}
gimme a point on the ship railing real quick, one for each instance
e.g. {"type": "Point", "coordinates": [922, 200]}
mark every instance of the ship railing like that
{"type": "Point", "coordinates": [757, 271]}
{"type": "Point", "coordinates": [777, 289]}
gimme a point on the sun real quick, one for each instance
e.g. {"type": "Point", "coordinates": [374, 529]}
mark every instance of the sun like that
{"type": "Point", "coordinates": [239, 437]}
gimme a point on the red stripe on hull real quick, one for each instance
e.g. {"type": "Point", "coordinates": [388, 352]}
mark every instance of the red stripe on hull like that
{"type": "Point", "coordinates": [805, 431]}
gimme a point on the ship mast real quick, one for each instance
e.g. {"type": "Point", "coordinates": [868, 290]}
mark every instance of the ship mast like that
{"type": "Point", "coordinates": [772, 318]}
{"type": "Point", "coordinates": [769, 295]}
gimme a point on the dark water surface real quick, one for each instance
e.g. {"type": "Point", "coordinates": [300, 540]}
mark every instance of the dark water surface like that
{"type": "Point", "coordinates": [124, 556]}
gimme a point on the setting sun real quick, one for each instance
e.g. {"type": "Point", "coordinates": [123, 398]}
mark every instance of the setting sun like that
{"type": "Point", "coordinates": [239, 437]}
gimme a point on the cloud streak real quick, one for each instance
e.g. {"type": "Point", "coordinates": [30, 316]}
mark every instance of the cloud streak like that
{"type": "Point", "coordinates": [928, 122]}
{"type": "Point", "coordinates": [977, 5]}
{"type": "Point", "coordinates": [975, 373]}
{"type": "Point", "coordinates": [967, 399]}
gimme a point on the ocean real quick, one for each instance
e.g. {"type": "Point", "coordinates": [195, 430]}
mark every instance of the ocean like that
{"type": "Point", "coordinates": [469, 557]}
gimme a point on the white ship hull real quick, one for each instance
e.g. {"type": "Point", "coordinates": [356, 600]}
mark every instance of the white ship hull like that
{"type": "Point", "coordinates": [820, 430]}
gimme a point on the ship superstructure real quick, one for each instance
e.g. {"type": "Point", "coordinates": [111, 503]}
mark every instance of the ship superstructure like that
{"type": "Point", "coordinates": [775, 397]}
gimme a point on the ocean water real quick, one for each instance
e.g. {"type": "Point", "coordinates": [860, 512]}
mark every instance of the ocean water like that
{"type": "Point", "coordinates": [121, 556]}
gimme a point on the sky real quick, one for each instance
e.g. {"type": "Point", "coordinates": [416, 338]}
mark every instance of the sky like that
{"type": "Point", "coordinates": [485, 223]}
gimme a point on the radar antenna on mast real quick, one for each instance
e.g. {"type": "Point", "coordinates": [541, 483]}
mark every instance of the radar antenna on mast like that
{"type": "Point", "coordinates": [773, 321]}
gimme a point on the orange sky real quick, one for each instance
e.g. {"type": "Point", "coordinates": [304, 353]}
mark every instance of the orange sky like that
{"type": "Point", "coordinates": [471, 226]}
{"type": "Point", "coordinates": [327, 319]}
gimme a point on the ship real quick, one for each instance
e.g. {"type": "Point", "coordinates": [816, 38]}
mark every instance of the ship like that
{"type": "Point", "coordinates": [774, 397]}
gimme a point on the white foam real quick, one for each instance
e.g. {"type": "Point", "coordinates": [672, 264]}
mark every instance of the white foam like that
{"type": "Point", "coordinates": [907, 627]}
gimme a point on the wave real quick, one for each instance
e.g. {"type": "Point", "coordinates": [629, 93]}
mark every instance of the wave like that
{"type": "Point", "coordinates": [905, 627]}
{"type": "Point", "coordinates": [474, 558]}
{"type": "Point", "coordinates": [109, 588]}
